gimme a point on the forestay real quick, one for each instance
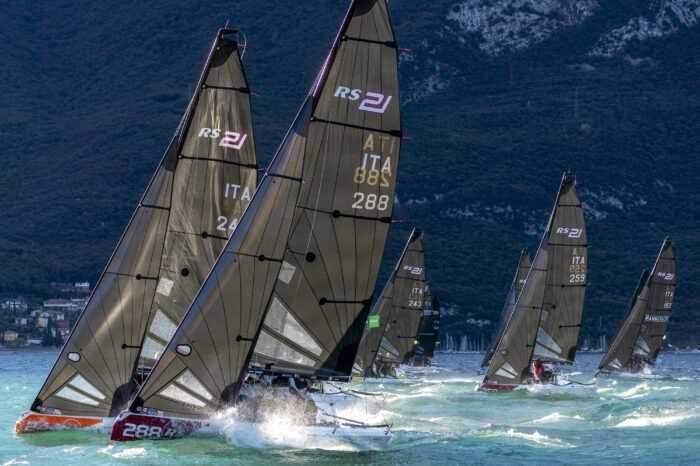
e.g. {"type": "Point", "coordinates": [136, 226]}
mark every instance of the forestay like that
{"type": "Point", "coordinates": [321, 302]}
{"type": "Point", "coordinates": [407, 303]}
{"type": "Point", "coordinates": [540, 310]}
{"type": "Point", "coordinates": [375, 345]}
{"type": "Point", "coordinates": [200, 187]}
{"type": "Point", "coordinates": [507, 312]}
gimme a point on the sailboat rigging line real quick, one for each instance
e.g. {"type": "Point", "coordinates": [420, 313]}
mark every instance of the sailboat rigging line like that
{"type": "Point", "coordinates": [338, 214]}
{"type": "Point", "coordinates": [286, 177]}
{"type": "Point", "coordinates": [151, 206]}
{"type": "Point", "coordinates": [391, 132]}
{"type": "Point", "coordinates": [244, 90]}
{"type": "Point", "coordinates": [227, 162]}
{"type": "Point", "coordinates": [391, 44]}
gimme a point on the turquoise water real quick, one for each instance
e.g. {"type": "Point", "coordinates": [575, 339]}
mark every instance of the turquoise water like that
{"type": "Point", "coordinates": [438, 418]}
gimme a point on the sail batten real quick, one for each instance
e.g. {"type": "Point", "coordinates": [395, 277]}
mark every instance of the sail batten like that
{"type": "Point", "coordinates": [546, 318]}
{"type": "Point", "coordinates": [346, 201]}
{"type": "Point", "coordinates": [177, 230]}
{"type": "Point", "coordinates": [393, 323]}
{"type": "Point", "coordinates": [643, 330]}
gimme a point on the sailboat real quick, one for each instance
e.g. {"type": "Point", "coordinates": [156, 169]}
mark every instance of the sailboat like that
{"type": "Point", "coordinates": [428, 331]}
{"type": "Point", "coordinates": [643, 330]}
{"type": "Point", "coordinates": [201, 186]}
{"type": "Point", "coordinates": [392, 327]}
{"type": "Point", "coordinates": [547, 316]}
{"type": "Point", "coordinates": [507, 312]}
{"type": "Point", "coordinates": [287, 300]}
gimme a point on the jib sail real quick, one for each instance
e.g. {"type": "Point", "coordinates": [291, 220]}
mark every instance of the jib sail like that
{"type": "Point", "coordinates": [201, 369]}
{"type": "Point", "coordinates": [562, 245]}
{"type": "Point", "coordinates": [642, 334]}
{"type": "Point", "coordinates": [318, 311]}
{"type": "Point", "coordinates": [507, 312]}
{"type": "Point", "coordinates": [201, 186]}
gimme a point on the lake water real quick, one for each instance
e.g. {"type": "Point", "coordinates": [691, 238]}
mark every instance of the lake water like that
{"type": "Point", "coordinates": [437, 418]}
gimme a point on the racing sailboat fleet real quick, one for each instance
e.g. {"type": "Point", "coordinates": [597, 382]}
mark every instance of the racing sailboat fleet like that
{"type": "Point", "coordinates": [227, 293]}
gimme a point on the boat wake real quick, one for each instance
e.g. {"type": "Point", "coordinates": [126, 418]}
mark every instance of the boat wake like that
{"type": "Point", "coordinates": [355, 424]}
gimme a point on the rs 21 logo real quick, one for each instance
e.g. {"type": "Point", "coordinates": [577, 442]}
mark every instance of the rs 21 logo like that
{"type": "Point", "coordinates": [665, 275]}
{"type": "Point", "coordinates": [231, 139]}
{"type": "Point", "coordinates": [413, 269]}
{"type": "Point", "coordinates": [570, 232]}
{"type": "Point", "coordinates": [373, 101]}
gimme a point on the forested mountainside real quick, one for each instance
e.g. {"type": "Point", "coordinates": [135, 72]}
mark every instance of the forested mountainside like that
{"type": "Point", "coordinates": [499, 98]}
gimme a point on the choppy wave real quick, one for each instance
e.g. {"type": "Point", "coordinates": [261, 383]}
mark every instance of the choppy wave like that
{"type": "Point", "coordinates": [661, 419]}
{"type": "Point", "coordinates": [436, 418]}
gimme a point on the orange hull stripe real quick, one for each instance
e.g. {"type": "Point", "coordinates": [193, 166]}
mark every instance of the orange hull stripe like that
{"type": "Point", "coordinates": [35, 422]}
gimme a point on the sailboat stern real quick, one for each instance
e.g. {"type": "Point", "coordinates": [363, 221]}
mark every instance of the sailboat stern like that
{"type": "Point", "coordinates": [32, 422]}
{"type": "Point", "coordinates": [135, 426]}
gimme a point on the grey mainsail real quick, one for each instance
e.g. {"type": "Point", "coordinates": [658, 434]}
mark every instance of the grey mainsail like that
{"type": "Point", "coordinates": [199, 189]}
{"type": "Point", "coordinates": [428, 331]}
{"type": "Point", "coordinates": [509, 306]}
{"type": "Point", "coordinates": [567, 271]}
{"type": "Point", "coordinates": [539, 309]}
{"type": "Point", "coordinates": [202, 367]}
{"type": "Point", "coordinates": [407, 302]}
{"type": "Point", "coordinates": [318, 311]}
{"type": "Point", "coordinates": [642, 333]}
{"type": "Point", "coordinates": [387, 311]}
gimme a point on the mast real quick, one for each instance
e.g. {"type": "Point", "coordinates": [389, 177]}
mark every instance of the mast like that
{"type": "Point", "coordinates": [182, 222]}
{"type": "Point", "coordinates": [408, 298]}
{"type": "Point", "coordinates": [317, 315]}
{"type": "Point", "coordinates": [516, 286]}
{"type": "Point", "coordinates": [402, 294]}
{"type": "Point", "coordinates": [560, 248]}
{"type": "Point", "coordinates": [620, 351]}
{"type": "Point", "coordinates": [644, 330]}
{"type": "Point", "coordinates": [562, 309]}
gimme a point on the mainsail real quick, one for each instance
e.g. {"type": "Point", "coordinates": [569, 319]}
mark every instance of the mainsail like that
{"type": "Point", "coordinates": [301, 254]}
{"type": "Point", "coordinates": [565, 286]}
{"type": "Point", "coordinates": [201, 186]}
{"type": "Point", "coordinates": [407, 302]}
{"type": "Point", "coordinates": [318, 310]}
{"type": "Point", "coordinates": [644, 329]}
{"type": "Point", "coordinates": [428, 330]}
{"type": "Point", "coordinates": [201, 369]}
{"type": "Point", "coordinates": [507, 312]}
{"type": "Point", "coordinates": [402, 295]}
{"type": "Point", "coordinates": [547, 313]}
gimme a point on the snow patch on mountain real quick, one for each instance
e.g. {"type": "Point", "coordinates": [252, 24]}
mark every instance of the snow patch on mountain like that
{"type": "Point", "coordinates": [517, 24]}
{"type": "Point", "coordinates": [668, 17]}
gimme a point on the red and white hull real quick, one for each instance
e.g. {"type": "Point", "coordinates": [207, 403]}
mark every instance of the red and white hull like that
{"type": "Point", "coordinates": [132, 426]}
